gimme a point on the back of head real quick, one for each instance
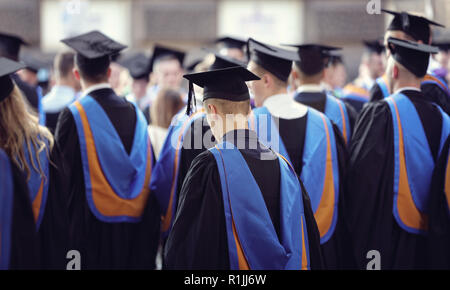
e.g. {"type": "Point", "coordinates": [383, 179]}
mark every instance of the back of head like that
{"type": "Point", "coordinates": [93, 70]}
{"type": "Point", "coordinates": [167, 104]}
{"type": "Point", "coordinates": [63, 64]}
{"type": "Point", "coordinates": [19, 128]}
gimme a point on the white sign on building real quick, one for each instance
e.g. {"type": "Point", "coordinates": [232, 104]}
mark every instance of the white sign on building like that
{"type": "Point", "coordinates": [61, 19]}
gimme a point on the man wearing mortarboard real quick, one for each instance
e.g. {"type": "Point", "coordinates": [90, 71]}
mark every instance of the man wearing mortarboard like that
{"type": "Point", "coordinates": [237, 192]}
{"type": "Point", "coordinates": [393, 154]}
{"type": "Point", "coordinates": [114, 219]}
{"type": "Point", "coordinates": [412, 27]}
{"type": "Point", "coordinates": [372, 65]}
{"type": "Point", "coordinates": [188, 136]}
{"type": "Point", "coordinates": [302, 135]}
{"type": "Point", "coordinates": [308, 72]}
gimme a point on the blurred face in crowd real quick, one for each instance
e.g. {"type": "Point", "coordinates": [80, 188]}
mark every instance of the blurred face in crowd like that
{"type": "Point", "coordinates": [442, 58]}
{"type": "Point", "coordinates": [335, 76]}
{"type": "Point", "coordinates": [139, 88]}
{"type": "Point", "coordinates": [234, 53]}
{"type": "Point", "coordinates": [375, 65]}
{"type": "Point", "coordinates": [168, 74]}
{"type": "Point", "coordinates": [28, 76]}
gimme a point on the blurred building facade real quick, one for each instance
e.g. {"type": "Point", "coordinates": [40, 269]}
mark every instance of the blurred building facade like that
{"type": "Point", "coordinates": [186, 24]}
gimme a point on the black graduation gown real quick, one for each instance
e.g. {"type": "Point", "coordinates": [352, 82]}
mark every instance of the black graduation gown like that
{"type": "Point", "coordinates": [198, 239]}
{"type": "Point", "coordinates": [106, 245]}
{"type": "Point", "coordinates": [439, 218]}
{"type": "Point", "coordinates": [28, 91]}
{"type": "Point", "coordinates": [319, 103]}
{"type": "Point", "coordinates": [51, 119]}
{"type": "Point", "coordinates": [335, 250]}
{"type": "Point", "coordinates": [24, 240]}
{"type": "Point", "coordinates": [434, 93]}
{"type": "Point", "coordinates": [53, 232]}
{"type": "Point", "coordinates": [198, 128]}
{"type": "Point", "coordinates": [369, 186]}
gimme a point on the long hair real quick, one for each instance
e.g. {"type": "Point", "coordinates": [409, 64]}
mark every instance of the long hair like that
{"type": "Point", "coordinates": [167, 104]}
{"type": "Point", "coordinates": [20, 128]}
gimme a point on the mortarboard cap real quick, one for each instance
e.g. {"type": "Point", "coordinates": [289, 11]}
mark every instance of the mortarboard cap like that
{"type": "Point", "coordinates": [374, 46]}
{"type": "Point", "coordinates": [442, 45]}
{"type": "Point", "coordinates": [412, 55]}
{"type": "Point", "coordinates": [162, 51]}
{"type": "Point", "coordinates": [94, 45]}
{"type": "Point", "coordinates": [10, 45]}
{"type": "Point", "coordinates": [226, 84]}
{"type": "Point", "coordinates": [137, 65]}
{"type": "Point", "coordinates": [276, 60]}
{"type": "Point", "coordinates": [232, 42]}
{"type": "Point", "coordinates": [222, 61]}
{"type": "Point", "coordinates": [7, 67]}
{"type": "Point", "coordinates": [417, 27]}
{"type": "Point", "coordinates": [313, 57]}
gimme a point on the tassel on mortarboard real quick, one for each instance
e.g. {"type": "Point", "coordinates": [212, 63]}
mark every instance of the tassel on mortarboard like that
{"type": "Point", "coordinates": [191, 94]}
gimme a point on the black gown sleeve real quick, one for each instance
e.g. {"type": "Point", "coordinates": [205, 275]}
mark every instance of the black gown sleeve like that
{"type": "Point", "coordinates": [437, 95]}
{"type": "Point", "coordinates": [375, 93]}
{"type": "Point", "coordinates": [53, 231]}
{"type": "Point", "coordinates": [369, 182]}
{"type": "Point", "coordinates": [315, 252]}
{"type": "Point", "coordinates": [198, 238]}
{"type": "Point", "coordinates": [439, 219]}
{"type": "Point", "coordinates": [24, 240]}
{"type": "Point", "coordinates": [352, 115]}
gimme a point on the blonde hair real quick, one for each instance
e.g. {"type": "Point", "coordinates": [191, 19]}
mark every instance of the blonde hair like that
{"type": "Point", "coordinates": [19, 127]}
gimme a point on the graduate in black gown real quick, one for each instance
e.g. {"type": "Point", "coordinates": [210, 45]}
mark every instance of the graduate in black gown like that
{"type": "Point", "coordinates": [10, 48]}
{"type": "Point", "coordinates": [202, 234]}
{"type": "Point", "coordinates": [389, 176]}
{"type": "Point", "coordinates": [19, 247]}
{"type": "Point", "coordinates": [273, 65]}
{"type": "Point", "coordinates": [191, 135]}
{"type": "Point", "coordinates": [415, 28]}
{"type": "Point", "coordinates": [114, 218]}
{"type": "Point", "coordinates": [308, 72]}
{"type": "Point", "coordinates": [439, 220]}
{"type": "Point", "coordinates": [39, 161]}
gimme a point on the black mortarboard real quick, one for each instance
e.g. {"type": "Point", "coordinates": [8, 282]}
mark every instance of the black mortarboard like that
{"type": "Point", "coordinates": [137, 65]}
{"type": "Point", "coordinates": [10, 45]}
{"type": "Point", "coordinates": [33, 61]}
{"type": "Point", "coordinates": [7, 67]}
{"type": "Point", "coordinates": [232, 42]}
{"type": "Point", "coordinates": [94, 44]}
{"type": "Point", "coordinates": [374, 46]}
{"type": "Point", "coordinates": [333, 58]}
{"type": "Point", "coordinates": [162, 51]}
{"type": "Point", "coordinates": [417, 27]}
{"type": "Point", "coordinates": [226, 84]}
{"type": "Point", "coordinates": [313, 57]}
{"type": "Point", "coordinates": [412, 55]}
{"type": "Point", "coordinates": [442, 45]}
{"type": "Point", "coordinates": [275, 60]}
{"type": "Point", "coordinates": [222, 61]}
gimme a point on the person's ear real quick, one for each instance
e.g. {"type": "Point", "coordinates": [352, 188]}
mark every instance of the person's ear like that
{"type": "Point", "coordinates": [212, 109]}
{"type": "Point", "coordinates": [267, 80]}
{"type": "Point", "coordinates": [395, 72]}
{"type": "Point", "coordinates": [108, 73]}
{"type": "Point", "coordinates": [76, 73]}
